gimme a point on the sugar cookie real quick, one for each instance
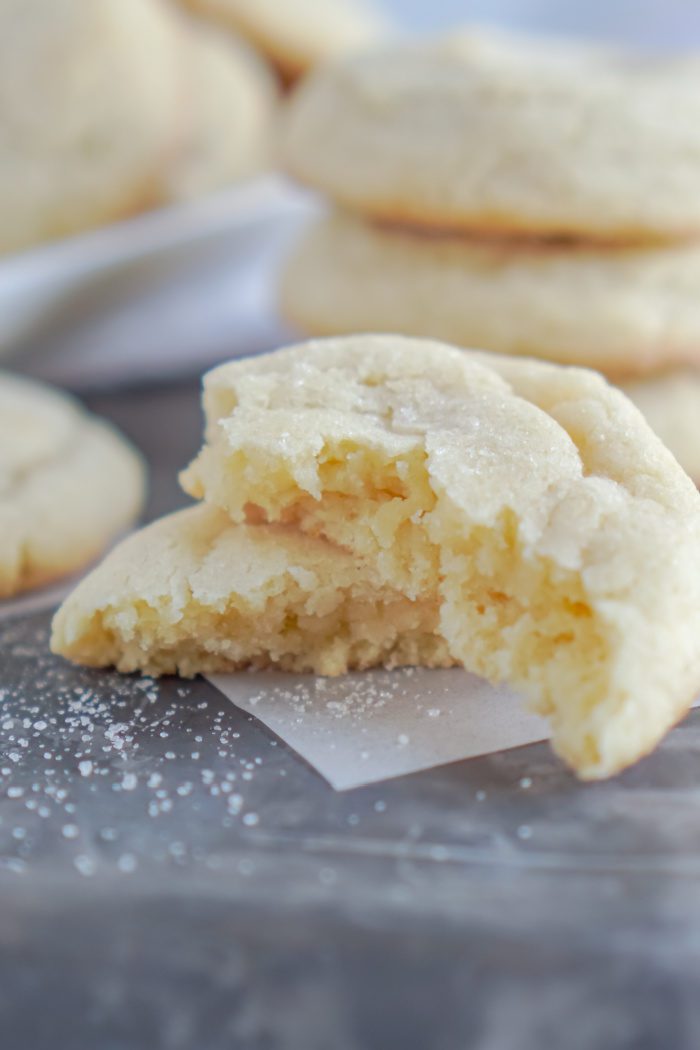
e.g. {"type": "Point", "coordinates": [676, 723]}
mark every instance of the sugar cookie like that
{"type": "Point", "coordinates": [531, 502]}
{"type": "Point", "coordinates": [68, 485]}
{"type": "Point", "coordinates": [91, 100]}
{"type": "Point", "coordinates": [486, 131]}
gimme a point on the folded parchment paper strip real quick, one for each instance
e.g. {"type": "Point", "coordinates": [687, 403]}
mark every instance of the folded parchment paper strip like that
{"type": "Point", "coordinates": [363, 728]}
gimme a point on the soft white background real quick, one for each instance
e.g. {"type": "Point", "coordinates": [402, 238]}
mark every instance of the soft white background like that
{"type": "Point", "coordinates": [656, 23]}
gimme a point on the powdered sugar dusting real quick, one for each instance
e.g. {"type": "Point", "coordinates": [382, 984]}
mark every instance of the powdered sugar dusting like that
{"type": "Point", "coordinates": [111, 776]}
{"type": "Point", "coordinates": [116, 769]}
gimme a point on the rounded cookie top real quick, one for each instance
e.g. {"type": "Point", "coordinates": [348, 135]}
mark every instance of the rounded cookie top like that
{"type": "Point", "coordinates": [68, 484]}
{"type": "Point", "coordinates": [297, 34]}
{"type": "Point", "coordinates": [471, 407]}
{"type": "Point", "coordinates": [231, 105]}
{"type": "Point", "coordinates": [90, 107]}
{"type": "Point", "coordinates": [490, 132]}
{"type": "Point", "coordinates": [625, 310]}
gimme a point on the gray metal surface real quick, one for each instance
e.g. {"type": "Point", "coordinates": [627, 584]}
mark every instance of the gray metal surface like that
{"type": "Point", "coordinates": [171, 876]}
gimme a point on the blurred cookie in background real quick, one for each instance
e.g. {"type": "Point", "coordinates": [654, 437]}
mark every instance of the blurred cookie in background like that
{"type": "Point", "coordinates": [623, 310]}
{"type": "Point", "coordinates": [671, 405]}
{"type": "Point", "coordinates": [486, 131]}
{"type": "Point", "coordinates": [91, 106]}
{"type": "Point", "coordinates": [296, 35]}
{"type": "Point", "coordinates": [69, 484]}
{"type": "Point", "coordinates": [232, 100]}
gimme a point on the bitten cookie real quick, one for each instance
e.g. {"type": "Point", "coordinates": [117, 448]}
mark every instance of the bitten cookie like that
{"type": "Point", "coordinates": [297, 34]}
{"type": "Point", "coordinates": [195, 593]}
{"type": "Point", "coordinates": [532, 503]}
{"type": "Point", "coordinates": [486, 131]}
{"type": "Point", "coordinates": [670, 404]}
{"type": "Point", "coordinates": [91, 95]}
{"type": "Point", "coordinates": [232, 102]}
{"type": "Point", "coordinates": [68, 485]}
{"type": "Point", "coordinates": [625, 311]}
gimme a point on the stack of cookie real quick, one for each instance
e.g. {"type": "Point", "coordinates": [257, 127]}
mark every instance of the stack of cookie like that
{"type": "Point", "coordinates": [527, 198]}
{"type": "Point", "coordinates": [379, 500]}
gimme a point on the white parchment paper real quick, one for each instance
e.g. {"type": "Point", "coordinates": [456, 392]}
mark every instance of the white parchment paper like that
{"type": "Point", "coordinates": [362, 728]}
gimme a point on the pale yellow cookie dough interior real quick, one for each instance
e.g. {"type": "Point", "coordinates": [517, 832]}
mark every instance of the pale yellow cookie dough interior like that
{"type": "Point", "coordinates": [509, 617]}
{"type": "Point", "coordinates": [194, 593]}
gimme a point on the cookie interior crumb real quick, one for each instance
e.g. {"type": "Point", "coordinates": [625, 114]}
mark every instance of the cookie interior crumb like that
{"type": "Point", "coordinates": [194, 593]}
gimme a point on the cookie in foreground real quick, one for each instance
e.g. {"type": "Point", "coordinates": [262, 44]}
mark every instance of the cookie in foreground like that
{"type": "Point", "coordinates": [69, 484]}
{"type": "Point", "coordinates": [532, 503]}
{"type": "Point", "coordinates": [626, 311]}
{"type": "Point", "coordinates": [195, 593]}
{"type": "Point", "coordinates": [497, 132]}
